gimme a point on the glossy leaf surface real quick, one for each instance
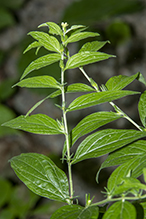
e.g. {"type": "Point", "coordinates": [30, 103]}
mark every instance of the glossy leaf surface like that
{"type": "Point", "coordinates": [93, 99]}
{"type": "Point", "coordinates": [41, 62]}
{"type": "Point", "coordinates": [123, 210]}
{"type": "Point", "coordinates": [37, 124]}
{"type": "Point", "coordinates": [39, 82]}
{"type": "Point", "coordinates": [53, 28]}
{"type": "Point", "coordinates": [84, 58]}
{"type": "Point", "coordinates": [93, 46]}
{"type": "Point", "coordinates": [76, 212]}
{"type": "Point", "coordinates": [80, 36]}
{"type": "Point", "coordinates": [120, 81]}
{"type": "Point", "coordinates": [41, 176]}
{"type": "Point", "coordinates": [125, 154]}
{"type": "Point", "coordinates": [133, 166]}
{"type": "Point", "coordinates": [48, 42]}
{"type": "Point", "coordinates": [89, 124]}
{"type": "Point", "coordinates": [105, 141]}
{"type": "Point", "coordinates": [142, 108]}
{"type": "Point", "coordinates": [33, 45]}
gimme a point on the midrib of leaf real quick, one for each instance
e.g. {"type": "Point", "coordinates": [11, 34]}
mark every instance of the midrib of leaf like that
{"type": "Point", "coordinates": [43, 178]}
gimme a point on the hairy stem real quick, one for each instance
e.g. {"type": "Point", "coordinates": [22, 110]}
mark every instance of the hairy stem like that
{"type": "Point", "coordinates": [66, 136]}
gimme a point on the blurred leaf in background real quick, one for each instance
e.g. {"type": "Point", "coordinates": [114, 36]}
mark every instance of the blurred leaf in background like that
{"type": "Point", "coordinates": [89, 12]}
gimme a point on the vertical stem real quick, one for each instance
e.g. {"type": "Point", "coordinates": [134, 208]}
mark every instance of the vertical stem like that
{"type": "Point", "coordinates": [66, 136]}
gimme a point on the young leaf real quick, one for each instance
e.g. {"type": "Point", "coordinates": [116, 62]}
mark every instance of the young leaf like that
{"type": "Point", "coordinates": [142, 108]}
{"type": "Point", "coordinates": [120, 81]}
{"type": "Point", "coordinates": [53, 28]}
{"type": "Point", "coordinates": [41, 62]}
{"type": "Point", "coordinates": [123, 210]}
{"type": "Point", "coordinates": [127, 185]}
{"type": "Point", "coordinates": [80, 36]}
{"type": "Point", "coordinates": [93, 46]}
{"type": "Point", "coordinates": [37, 124]}
{"type": "Point", "coordinates": [76, 212]}
{"type": "Point", "coordinates": [92, 99]}
{"type": "Point", "coordinates": [76, 27]}
{"type": "Point", "coordinates": [105, 141]}
{"type": "Point", "coordinates": [84, 58]}
{"type": "Point", "coordinates": [41, 176]}
{"type": "Point", "coordinates": [135, 166]}
{"type": "Point", "coordinates": [33, 45]}
{"type": "Point", "coordinates": [78, 87]}
{"type": "Point", "coordinates": [48, 42]}
{"type": "Point", "coordinates": [39, 82]}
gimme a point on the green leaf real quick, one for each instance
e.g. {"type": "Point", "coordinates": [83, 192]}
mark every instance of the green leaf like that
{"type": "Point", "coordinates": [76, 27]}
{"type": "Point", "coordinates": [143, 204]}
{"type": "Point", "coordinates": [6, 18]}
{"type": "Point", "coordinates": [41, 176]}
{"type": "Point", "coordinates": [33, 45]}
{"type": "Point", "coordinates": [78, 87]}
{"type": "Point", "coordinates": [53, 28]}
{"type": "Point", "coordinates": [37, 124]}
{"type": "Point", "coordinates": [89, 124]}
{"type": "Point", "coordinates": [120, 81]}
{"type": "Point", "coordinates": [144, 174]}
{"type": "Point", "coordinates": [123, 210]}
{"type": "Point", "coordinates": [142, 108]}
{"type": "Point", "coordinates": [48, 42]}
{"type": "Point", "coordinates": [134, 166]}
{"type": "Point", "coordinates": [124, 154]}
{"type": "Point", "coordinates": [127, 185]}
{"type": "Point", "coordinates": [76, 212]}
{"type": "Point", "coordinates": [80, 36]}
{"type": "Point", "coordinates": [105, 141]}
{"type": "Point", "coordinates": [39, 82]}
{"type": "Point", "coordinates": [41, 62]}
{"type": "Point", "coordinates": [141, 78]}
{"type": "Point", "coordinates": [93, 46]}
{"type": "Point", "coordinates": [92, 99]}
{"type": "Point", "coordinates": [84, 58]}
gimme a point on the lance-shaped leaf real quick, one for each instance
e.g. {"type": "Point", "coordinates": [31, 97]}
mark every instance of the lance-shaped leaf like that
{"type": "Point", "coordinates": [37, 123]}
{"type": "Point", "coordinates": [53, 28]}
{"type": "Point", "coordinates": [41, 176]}
{"type": "Point", "coordinates": [120, 81]}
{"type": "Point", "coordinates": [41, 62]}
{"type": "Point", "coordinates": [89, 124]}
{"type": "Point", "coordinates": [128, 185]}
{"type": "Point", "coordinates": [134, 167]}
{"type": "Point", "coordinates": [33, 45]}
{"type": "Point", "coordinates": [48, 42]}
{"type": "Point", "coordinates": [76, 28]}
{"type": "Point", "coordinates": [92, 99]}
{"type": "Point", "coordinates": [105, 141]}
{"type": "Point", "coordinates": [39, 82]}
{"type": "Point", "coordinates": [80, 36]}
{"type": "Point", "coordinates": [78, 87]}
{"type": "Point", "coordinates": [124, 154]}
{"type": "Point", "coordinates": [84, 58]}
{"type": "Point", "coordinates": [76, 212]}
{"type": "Point", "coordinates": [141, 78]}
{"type": "Point", "coordinates": [93, 46]}
{"type": "Point", "coordinates": [142, 108]}
{"type": "Point", "coordinates": [123, 210]}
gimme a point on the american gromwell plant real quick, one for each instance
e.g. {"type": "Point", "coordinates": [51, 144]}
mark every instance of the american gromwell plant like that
{"type": "Point", "coordinates": [126, 148]}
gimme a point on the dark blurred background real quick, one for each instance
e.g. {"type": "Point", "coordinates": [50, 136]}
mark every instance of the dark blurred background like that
{"type": "Point", "coordinates": [121, 22]}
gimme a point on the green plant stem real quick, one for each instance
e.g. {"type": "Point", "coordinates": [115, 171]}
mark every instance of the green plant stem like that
{"type": "Point", "coordinates": [66, 136]}
{"type": "Point", "coordinates": [117, 109]}
{"type": "Point", "coordinates": [107, 200]}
